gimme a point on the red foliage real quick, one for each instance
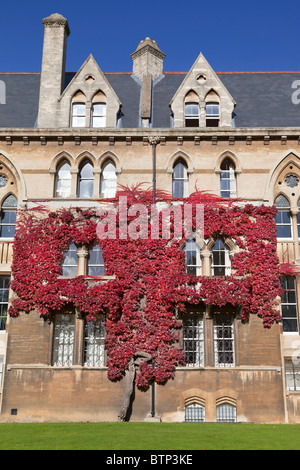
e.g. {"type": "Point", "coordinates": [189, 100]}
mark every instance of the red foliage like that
{"type": "Point", "coordinates": [149, 279]}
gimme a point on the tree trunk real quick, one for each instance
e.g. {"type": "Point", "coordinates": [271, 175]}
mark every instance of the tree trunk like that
{"type": "Point", "coordinates": [138, 358]}
{"type": "Point", "coordinates": [130, 376]}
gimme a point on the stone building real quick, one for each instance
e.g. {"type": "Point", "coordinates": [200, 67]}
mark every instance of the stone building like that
{"type": "Point", "coordinates": [234, 134]}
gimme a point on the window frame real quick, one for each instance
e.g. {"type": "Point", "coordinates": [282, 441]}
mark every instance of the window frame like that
{"type": "Point", "coordinates": [227, 409]}
{"type": "Point", "coordinates": [227, 262]}
{"type": "Point", "coordinates": [190, 117]}
{"type": "Point", "coordinates": [193, 340]}
{"type": "Point", "coordinates": [197, 414]}
{"type": "Point", "coordinates": [63, 345]}
{"type": "Point", "coordinates": [284, 209]}
{"type": "Point", "coordinates": [81, 116]}
{"type": "Point", "coordinates": [4, 278]}
{"type": "Point", "coordinates": [220, 340]}
{"type": "Point", "coordinates": [9, 209]}
{"type": "Point", "coordinates": [230, 176]}
{"type": "Point", "coordinates": [212, 117]}
{"type": "Point", "coordinates": [82, 179]}
{"type": "Point", "coordinates": [197, 266]}
{"type": "Point", "coordinates": [58, 179]}
{"type": "Point", "coordinates": [286, 319]}
{"type": "Point", "coordinates": [106, 193]}
{"type": "Point", "coordinates": [70, 249]}
{"type": "Point", "coordinates": [95, 116]}
{"type": "Point", "coordinates": [183, 180]}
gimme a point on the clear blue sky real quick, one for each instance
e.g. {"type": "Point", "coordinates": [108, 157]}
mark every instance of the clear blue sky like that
{"type": "Point", "coordinates": [233, 35]}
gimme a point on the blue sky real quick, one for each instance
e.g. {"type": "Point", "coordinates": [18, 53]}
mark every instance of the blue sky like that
{"type": "Point", "coordinates": [233, 35]}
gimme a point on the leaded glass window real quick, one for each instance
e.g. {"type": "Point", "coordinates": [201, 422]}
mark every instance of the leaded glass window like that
{"type": "Point", "coordinates": [292, 375]}
{"type": "Point", "coordinates": [224, 341]}
{"type": "Point", "coordinates": [289, 309]}
{"type": "Point", "coordinates": [195, 413]}
{"type": "Point", "coordinates": [4, 292]}
{"type": "Point", "coordinates": [193, 340]}
{"type": "Point", "coordinates": [63, 343]}
{"type": "Point", "coordinates": [94, 354]}
{"type": "Point", "coordinates": [226, 413]}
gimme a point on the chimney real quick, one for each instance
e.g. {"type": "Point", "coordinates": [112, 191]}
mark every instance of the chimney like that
{"type": "Point", "coordinates": [147, 65]}
{"type": "Point", "coordinates": [56, 31]}
{"type": "Point", "coordinates": [148, 59]}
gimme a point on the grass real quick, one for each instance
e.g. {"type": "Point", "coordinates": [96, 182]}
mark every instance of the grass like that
{"type": "Point", "coordinates": [148, 436]}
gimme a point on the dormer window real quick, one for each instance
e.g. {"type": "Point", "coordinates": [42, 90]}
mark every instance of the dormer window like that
{"type": "Point", "coordinates": [99, 115]}
{"type": "Point", "coordinates": [78, 115]}
{"type": "Point", "coordinates": [212, 114]}
{"type": "Point", "coordinates": [191, 115]}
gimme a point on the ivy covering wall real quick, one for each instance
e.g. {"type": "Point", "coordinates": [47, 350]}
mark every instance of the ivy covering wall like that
{"type": "Point", "coordinates": [148, 282]}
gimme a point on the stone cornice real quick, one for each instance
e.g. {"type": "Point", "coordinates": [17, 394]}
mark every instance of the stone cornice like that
{"type": "Point", "coordinates": [111, 135]}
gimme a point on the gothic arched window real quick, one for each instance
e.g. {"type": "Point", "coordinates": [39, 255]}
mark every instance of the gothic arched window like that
{"type": "Point", "coordinates": [8, 216]}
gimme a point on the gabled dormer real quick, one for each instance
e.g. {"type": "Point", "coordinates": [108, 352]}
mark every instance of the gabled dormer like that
{"type": "Point", "coordinates": [202, 100]}
{"type": "Point", "coordinates": [89, 100]}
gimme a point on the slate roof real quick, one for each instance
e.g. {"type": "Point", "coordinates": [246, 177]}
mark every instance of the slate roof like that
{"type": "Point", "coordinates": [264, 99]}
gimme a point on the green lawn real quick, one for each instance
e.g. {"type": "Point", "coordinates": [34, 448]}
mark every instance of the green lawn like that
{"type": "Point", "coordinates": [148, 436]}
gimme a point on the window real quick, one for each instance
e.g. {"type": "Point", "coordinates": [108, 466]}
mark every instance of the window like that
{"type": "Point", "coordinates": [212, 114]}
{"type": "Point", "coordinates": [292, 375]}
{"type": "Point", "coordinates": [63, 343]}
{"type": "Point", "coordinates": [191, 115]}
{"type": "Point", "coordinates": [95, 265]}
{"type": "Point", "coordinates": [220, 259]}
{"type": "Point", "coordinates": [99, 115]}
{"type": "Point", "coordinates": [195, 413]}
{"type": "Point", "coordinates": [283, 217]}
{"type": "Point", "coordinates": [78, 115]}
{"type": "Point", "coordinates": [289, 310]}
{"type": "Point", "coordinates": [63, 180]}
{"type": "Point", "coordinates": [226, 413]}
{"type": "Point", "coordinates": [228, 179]}
{"type": "Point", "coordinates": [8, 216]}
{"type": "Point", "coordinates": [298, 218]}
{"type": "Point", "coordinates": [70, 261]}
{"type": "Point", "coordinates": [224, 341]}
{"type": "Point", "coordinates": [4, 291]}
{"type": "Point", "coordinates": [94, 351]}
{"type": "Point", "coordinates": [1, 369]}
{"type": "Point", "coordinates": [192, 258]}
{"type": "Point", "coordinates": [86, 180]}
{"type": "Point", "coordinates": [180, 179]}
{"type": "Point", "coordinates": [193, 340]}
{"type": "Point", "coordinates": [108, 181]}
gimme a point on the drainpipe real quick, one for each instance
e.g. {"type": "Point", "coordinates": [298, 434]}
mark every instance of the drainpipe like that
{"type": "Point", "coordinates": [154, 141]}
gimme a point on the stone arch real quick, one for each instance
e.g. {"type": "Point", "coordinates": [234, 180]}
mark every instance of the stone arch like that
{"type": "Point", "coordinates": [12, 171]}
{"type": "Point", "coordinates": [287, 164]}
{"type": "Point", "coordinates": [232, 156]}
{"type": "Point", "coordinates": [108, 155]}
{"type": "Point", "coordinates": [180, 155]}
{"type": "Point", "coordinates": [57, 159]}
{"type": "Point", "coordinates": [86, 155]}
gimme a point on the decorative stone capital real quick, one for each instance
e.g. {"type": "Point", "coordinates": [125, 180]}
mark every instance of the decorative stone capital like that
{"type": "Point", "coordinates": [154, 140]}
{"type": "Point", "coordinates": [55, 21]}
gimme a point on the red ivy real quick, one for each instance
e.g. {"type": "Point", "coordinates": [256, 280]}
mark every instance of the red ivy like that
{"type": "Point", "coordinates": [149, 280]}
